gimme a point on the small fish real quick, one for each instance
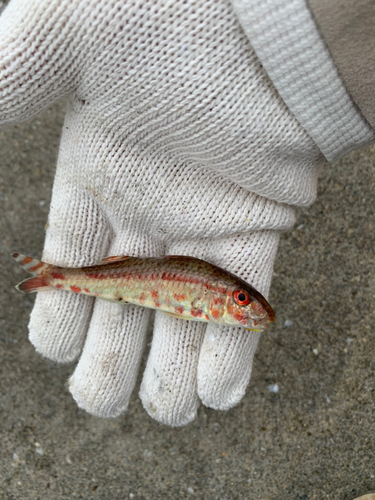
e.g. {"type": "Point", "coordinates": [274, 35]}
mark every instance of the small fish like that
{"type": "Point", "coordinates": [184, 287]}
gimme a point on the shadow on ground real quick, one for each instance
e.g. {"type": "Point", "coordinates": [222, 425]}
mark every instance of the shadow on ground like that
{"type": "Point", "coordinates": [314, 439]}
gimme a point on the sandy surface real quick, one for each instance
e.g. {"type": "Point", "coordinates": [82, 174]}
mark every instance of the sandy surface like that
{"type": "Point", "coordinates": [314, 439]}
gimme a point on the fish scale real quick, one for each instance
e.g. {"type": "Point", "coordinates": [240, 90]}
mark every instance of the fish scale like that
{"type": "Point", "coordinates": [184, 287]}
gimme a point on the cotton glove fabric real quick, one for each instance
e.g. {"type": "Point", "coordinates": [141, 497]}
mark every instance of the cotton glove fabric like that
{"type": "Point", "coordinates": [174, 142]}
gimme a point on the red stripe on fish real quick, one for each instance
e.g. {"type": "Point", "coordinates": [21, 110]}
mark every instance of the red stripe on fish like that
{"type": "Point", "coordinates": [57, 276]}
{"type": "Point", "coordinates": [185, 279]}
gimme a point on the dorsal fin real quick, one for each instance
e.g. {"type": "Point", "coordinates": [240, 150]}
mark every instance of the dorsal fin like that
{"type": "Point", "coordinates": [114, 258]}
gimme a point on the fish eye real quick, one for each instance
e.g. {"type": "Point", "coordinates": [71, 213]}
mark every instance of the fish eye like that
{"type": "Point", "coordinates": [241, 297]}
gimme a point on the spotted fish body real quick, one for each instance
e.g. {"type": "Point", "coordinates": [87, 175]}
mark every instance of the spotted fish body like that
{"type": "Point", "coordinates": [185, 287]}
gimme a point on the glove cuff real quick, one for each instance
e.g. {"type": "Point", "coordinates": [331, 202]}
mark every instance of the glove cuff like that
{"type": "Point", "coordinates": [289, 46]}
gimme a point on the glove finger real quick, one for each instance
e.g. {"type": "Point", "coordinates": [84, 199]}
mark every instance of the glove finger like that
{"type": "Point", "coordinates": [225, 365]}
{"type": "Point", "coordinates": [106, 373]}
{"type": "Point", "coordinates": [227, 353]}
{"type": "Point", "coordinates": [77, 234]}
{"type": "Point", "coordinates": [169, 386]}
{"type": "Point", "coordinates": [104, 378]}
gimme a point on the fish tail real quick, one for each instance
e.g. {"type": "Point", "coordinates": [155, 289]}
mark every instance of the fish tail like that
{"type": "Point", "coordinates": [32, 266]}
{"type": "Point", "coordinates": [36, 268]}
{"type": "Point", "coordinates": [37, 284]}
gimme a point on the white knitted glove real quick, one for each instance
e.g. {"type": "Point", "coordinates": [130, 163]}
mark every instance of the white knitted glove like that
{"type": "Point", "coordinates": [174, 142]}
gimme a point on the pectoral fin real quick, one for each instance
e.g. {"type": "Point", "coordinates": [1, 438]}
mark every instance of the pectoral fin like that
{"type": "Point", "coordinates": [179, 316]}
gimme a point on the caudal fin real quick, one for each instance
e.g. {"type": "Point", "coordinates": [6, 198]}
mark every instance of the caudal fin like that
{"type": "Point", "coordinates": [32, 266]}
{"type": "Point", "coordinates": [36, 268]}
{"type": "Point", "coordinates": [37, 284]}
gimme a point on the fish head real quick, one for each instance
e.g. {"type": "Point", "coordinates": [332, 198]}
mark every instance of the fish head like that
{"type": "Point", "coordinates": [240, 304]}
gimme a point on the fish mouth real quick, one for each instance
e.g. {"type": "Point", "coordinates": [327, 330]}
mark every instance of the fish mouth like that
{"type": "Point", "coordinates": [264, 321]}
{"type": "Point", "coordinates": [261, 312]}
{"type": "Point", "coordinates": [260, 325]}
{"type": "Point", "coordinates": [271, 316]}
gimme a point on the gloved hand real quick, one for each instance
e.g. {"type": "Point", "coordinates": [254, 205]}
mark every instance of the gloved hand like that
{"type": "Point", "coordinates": [174, 142]}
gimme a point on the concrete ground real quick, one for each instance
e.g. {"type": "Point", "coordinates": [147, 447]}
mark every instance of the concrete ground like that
{"type": "Point", "coordinates": [314, 439]}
